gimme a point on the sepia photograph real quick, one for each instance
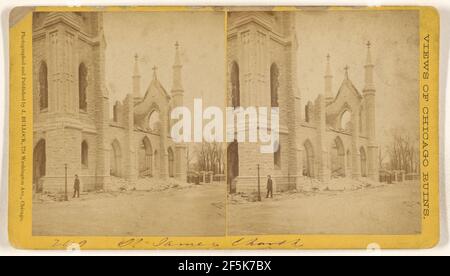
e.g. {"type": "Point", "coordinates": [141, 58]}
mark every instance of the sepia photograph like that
{"type": "Point", "coordinates": [210, 131]}
{"type": "Point", "coordinates": [320, 110]}
{"type": "Point", "coordinates": [219, 130]}
{"type": "Point", "coordinates": [224, 128]}
{"type": "Point", "coordinates": [345, 86]}
{"type": "Point", "coordinates": [105, 162]}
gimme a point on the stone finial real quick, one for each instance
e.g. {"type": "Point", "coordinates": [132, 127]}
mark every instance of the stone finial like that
{"type": "Point", "coordinates": [328, 69]}
{"type": "Point", "coordinates": [328, 81]}
{"type": "Point", "coordinates": [155, 69]}
{"type": "Point", "coordinates": [177, 55]}
{"type": "Point", "coordinates": [369, 85]}
{"type": "Point", "coordinates": [136, 78]}
{"type": "Point", "coordinates": [346, 68]}
{"type": "Point", "coordinates": [177, 86]}
{"type": "Point", "coordinates": [136, 65]}
{"type": "Point", "coordinates": [369, 56]}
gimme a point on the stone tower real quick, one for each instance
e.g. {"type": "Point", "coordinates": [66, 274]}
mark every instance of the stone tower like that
{"type": "Point", "coordinates": [71, 102]}
{"type": "Point", "coordinates": [328, 82]}
{"type": "Point", "coordinates": [369, 99]}
{"type": "Point", "coordinates": [136, 80]}
{"type": "Point", "coordinates": [177, 101]}
{"type": "Point", "coordinates": [261, 69]}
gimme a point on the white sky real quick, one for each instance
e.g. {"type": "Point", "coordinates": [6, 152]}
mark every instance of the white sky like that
{"type": "Point", "coordinates": [342, 34]}
{"type": "Point", "coordinates": [152, 35]}
{"type": "Point", "coordinates": [395, 52]}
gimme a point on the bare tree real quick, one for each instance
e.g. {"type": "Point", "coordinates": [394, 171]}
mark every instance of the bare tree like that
{"type": "Point", "coordinates": [403, 152]}
{"type": "Point", "coordinates": [190, 158]}
{"type": "Point", "coordinates": [210, 157]}
{"type": "Point", "coordinates": [381, 157]}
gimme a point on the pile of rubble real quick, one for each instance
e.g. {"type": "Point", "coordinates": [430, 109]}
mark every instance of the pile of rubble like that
{"type": "Point", "coordinates": [340, 184]}
{"type": "Point", "coordinates": [309, 187]}
{"type": "Point", "coordinates": [146, 184]}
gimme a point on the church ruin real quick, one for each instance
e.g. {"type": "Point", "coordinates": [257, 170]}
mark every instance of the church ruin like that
{"type": "Point", "coordinates": [73, 127]}
{"type": "Point", "coordinates": [334, 136]}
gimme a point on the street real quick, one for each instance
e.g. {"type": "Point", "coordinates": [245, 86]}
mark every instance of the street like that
{"type": "Point", "coordinates": [194, 211]}
{"type": "Point", "coordinates": [200, 211]}
{"type": "Point", "coordinates": [389, 209]}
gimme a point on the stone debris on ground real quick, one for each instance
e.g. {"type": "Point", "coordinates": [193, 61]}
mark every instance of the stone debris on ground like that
{"type": "Point", "coordinates": [146, 184]}
{"type": "Point", "coordinates": [311, 187]}
{"type": "Point", "coordinates": [340, 184]}
{"type": "Point", "coordinates": [119, 186]}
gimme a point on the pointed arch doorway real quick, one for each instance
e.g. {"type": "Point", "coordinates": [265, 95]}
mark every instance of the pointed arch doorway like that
{"type": "Point", "coordinates": [145, 158]}
{"type": "Point", "coordinates": [39, 163]}
{"type": "Point", "coordinates": [232, 165]}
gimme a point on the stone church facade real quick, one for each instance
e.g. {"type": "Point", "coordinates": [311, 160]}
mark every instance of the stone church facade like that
{"type": "Point", "coordinates": [74, 131]}
{"type": "Point", "coordinates": [334, 136]}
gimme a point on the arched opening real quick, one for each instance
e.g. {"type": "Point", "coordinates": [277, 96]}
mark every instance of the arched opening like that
{"type": "Point", "coordinates": [361, 120]}
{"type": "Point", "coordinates": [116, 159]}
{"type": "Point", "coordinates": [345, 121]}
{"type": "Point", "coordinates": [274, 73]}
{"type": "Point", "coordinates": [154, 121]}
{"type": "Point", "coordinates": [337, 158]}
{"type": "Point", "coordinates": [116, 112]}
{"type": "Point", "coordinates": [235, 85]}
{"type": "Point", "coordinates": [39, 160]}
{"type": "Point", "coordinates": [145, 155]}
{"type": "Point", "coordinates": [349, 163]}
{"type": "Point", "coordinates": [43, 86]}
{"type": "Point", "coordinates": [169, 120]}
{"type": "Point", "coordinates": [308, 160]}
{"type": "Point", "coordinates": [308, 112]}
{"type": "Point", "coordinates": [84, 154]}
{"type": "Point", "coordinates": [277, 156]}
{"type": "Point", "coordinates": [171, 158]}
{"type": "Point", "coordinates": [156, 160]}
{"type": "Point", "coordinates": [82, 84]}
{"type": "Point", "coordinates": [232, 165]}
{"type": "Point", "coordinates": [362, 152]}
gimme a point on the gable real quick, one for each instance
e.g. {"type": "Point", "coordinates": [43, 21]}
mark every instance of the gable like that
{"type": "Point", "coordinates": [156, 97]}
{"type": "Point", "coordinates": [347, 98]}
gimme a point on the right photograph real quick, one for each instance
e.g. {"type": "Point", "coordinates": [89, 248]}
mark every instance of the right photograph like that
{"type": "Point", "coordinates": [344, 86]}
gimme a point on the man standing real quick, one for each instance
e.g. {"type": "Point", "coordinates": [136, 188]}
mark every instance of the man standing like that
{"type": "Point", "coordinates": [269, 187]}
{"type": "Point", "coordinates": [76, 187]}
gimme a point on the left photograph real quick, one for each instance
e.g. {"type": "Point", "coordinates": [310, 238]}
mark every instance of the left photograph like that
{"type": "Point", "coordinates": [105, 162]}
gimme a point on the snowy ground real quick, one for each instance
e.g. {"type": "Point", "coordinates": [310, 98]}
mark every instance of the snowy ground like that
{"type": "Point", "coordinates": [189, 210]}
{"type": "Point", "coordinates": [338, 209]}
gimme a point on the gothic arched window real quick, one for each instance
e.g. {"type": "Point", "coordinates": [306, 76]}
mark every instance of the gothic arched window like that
{"type": "Point", "coordinates": [154, 121]}
{"type": "Point", "coordinates": [171, 162]}
{"type": "Point", "coordinates": [308, 112]}
{"type": "Point", "coordinates": [363, 162]}
{"type": "Point", "coordinates": [274, 85]}
{"type": "Point", "coordinates": [116, 112]}
{"type": "Point", "coordinates": [235, 86]}
{"type": "Point", "coordinates": [345, 120]}
{"type": "Point", "coordinates": [39, 167]}
{"type": "Point", "coordinates": [43, 86]}
{"type": "Point", "coordinates": [277, 157]}
{"type": "Point", "coordinates": [308, 163]}
{"type": "Point", "coordinates": [82, 84]}
{"type": "Point", "coordinates": [116, 159]}
{"type": "Point", "coordinates": [361, 120]}
{"type": "Point", "coordinates": [84, 154]}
